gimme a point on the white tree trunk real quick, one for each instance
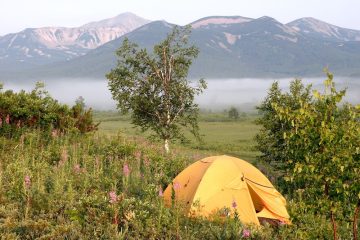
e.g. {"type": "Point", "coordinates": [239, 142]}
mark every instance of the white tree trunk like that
{"type": "Point", "coordinates": [167, 146]}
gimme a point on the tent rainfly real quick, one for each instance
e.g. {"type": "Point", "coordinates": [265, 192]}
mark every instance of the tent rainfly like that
{"type": "Point", "coordinates": [224, 182]}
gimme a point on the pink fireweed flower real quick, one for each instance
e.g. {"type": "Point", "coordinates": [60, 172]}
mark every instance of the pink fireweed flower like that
{"type": "Point", "coordinates": [77, 168]}
{"type": "Point", "coordinates": [54, 133]}
{"type": "Point", "coordinates": [7, 119]}
{"type": "Point", "coordinates": [27, 181]}
{"type": "Point", "coordinates": [126, 170]}
{"type": "Point", "coordinates": [113, 197]}
{"type": "Point", "coordinates": [0, 122]}
{"type": "Point", "coordinates": [176, 186]}
{"type": "Point", "coordinates": [146, 161]}
{"type": "Point", "coordinates": [234, 204]}
{"type": "Point", "coordinates": [282, 222]}
{"type": "Point", "coordinates": [161, 193]}
{"type": "Point", "coordinates": [63, 157]}
{"type": "Point", "coordinates": [246, 233]}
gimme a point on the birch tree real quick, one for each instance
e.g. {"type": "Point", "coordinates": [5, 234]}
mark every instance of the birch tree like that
{"type": "Point", "coordinates": [154, 89]}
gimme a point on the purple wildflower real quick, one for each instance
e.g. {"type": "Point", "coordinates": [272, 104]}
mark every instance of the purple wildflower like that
{"type": "Point", "coordinates": [54, 133]}
{"type": "Point", "coordinates": [77, 168]}
{"type": "Point", "coordinates": [7, 119]}
{"type": "Point", "coordinates": [146, 161]}
{"type": "Point", "coordinates": [126, 170]}
{"type": "Point", "coordinates": [63, 157]}
{"type": "Point", "coordinates": [161, 193]}
{"type": "Point", "coordinates": [113, 197]}
{"type": "Point", "coordinates": [27, 181]}
{"type": "Point", "coordinates": [176, 186]}
{"type": "Point", "coordinates": [246, 233]}
{"type": "Point", "coordinates": [1, 122]}
{"type": "Point", "coordinates": [234, 204]}
{"type": "Point", "coordinates": [282, 222]}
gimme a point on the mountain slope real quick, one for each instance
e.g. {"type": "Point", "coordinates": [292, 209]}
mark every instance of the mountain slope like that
{"type": "Point", "coordinates": [218, 20]}
{"type": "Point", "coordinates": [39, 46]}
{"type": "Point", "coordinates": [322, 30]}
{"type": "Point", "coordinates": [266, 47]}
{"type": "Point", "coordinates": [96, 63]}
{"type": "Point", "coordinates": [230, 47]}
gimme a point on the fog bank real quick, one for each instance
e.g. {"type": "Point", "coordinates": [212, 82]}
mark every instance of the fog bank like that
{"type": "Point", "coordinates": [242, 93]}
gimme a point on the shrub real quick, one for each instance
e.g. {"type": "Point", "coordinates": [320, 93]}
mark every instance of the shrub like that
{"type": "Point", "coordinates": [314, 141]}
{"type": "Point", "coordinates": [38, 110]}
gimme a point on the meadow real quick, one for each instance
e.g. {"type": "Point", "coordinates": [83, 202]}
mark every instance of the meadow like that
{"type": "Point", "coordinates": [220, 134]}
{"type": "Point", "coordinates": [108, 185]}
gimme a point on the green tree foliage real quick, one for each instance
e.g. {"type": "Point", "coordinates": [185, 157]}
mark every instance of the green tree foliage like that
{"type": "Point", "coordinates": [270, 139]}
{"type": "Point", "coordinates": [233, 113]}
{"type": "Point", "coordinates": [315, 141]}
{"type": "Point", "coordinates": [83, 117]}
{"type": "Point", "coordinates": [154, 87]}
{"type": "Point", "coordinates": [37, 109]}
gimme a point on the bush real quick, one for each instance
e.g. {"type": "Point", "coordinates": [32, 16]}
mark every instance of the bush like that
{"type": "Point", "coordinates": [314, 141]}
{"type": "Point", "coordinates": [38, 110]}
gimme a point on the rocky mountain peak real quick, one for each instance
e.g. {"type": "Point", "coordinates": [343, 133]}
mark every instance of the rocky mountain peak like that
{"type": "Point", "coordinates": [319, 29]}
{"type": "Point", "coordinates": [127, 20]}
{"type": "Point", "coordinates": [203, 22]}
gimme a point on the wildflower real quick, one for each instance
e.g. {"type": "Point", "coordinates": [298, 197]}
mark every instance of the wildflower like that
{"type": "Point", "coordinates": [113, 197]}
{"type": "Point", "coordinates": [7, 119]}
{"type": "Point", "coordinates": [54, 133]}
{"type": "Point", "coordinates": [246, 233]}
{"type": "Point", "coordinates": [234, 204]}
{"type": "Point", "coordinates": [77, 168]}
{"type": "Point", "coordinates": [64, 157]}
{"type": "Point", "coordinates": [176, 186]}
{"type": "Point", "coordinates": [161, 193]}
{"type": "Point", "coordinates": [27, 181]}
{"type": "Point", "coordinates": [0, 122]}
{"type": "Point", "coordinates": [126, 170]}
{"type": "Point", "coordinates": [282, 222]}
{"type": "Point", "coordinates": [146, 161]}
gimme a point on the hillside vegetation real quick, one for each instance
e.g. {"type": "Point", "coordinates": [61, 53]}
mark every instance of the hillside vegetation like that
{"type": "Point", "coordinates": [59, 182]}
{"type": "Point", "coordinates": [108, 187]}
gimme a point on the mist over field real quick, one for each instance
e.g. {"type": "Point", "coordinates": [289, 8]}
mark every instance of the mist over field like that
{"type": "Point", "coordinates": [221, 94]}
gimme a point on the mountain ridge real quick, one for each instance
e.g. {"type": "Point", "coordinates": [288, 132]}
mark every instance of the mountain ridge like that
{"type": "Point", "coordinates": [230, 47]}
{"type": "Point", "coordinates": [37, 46]}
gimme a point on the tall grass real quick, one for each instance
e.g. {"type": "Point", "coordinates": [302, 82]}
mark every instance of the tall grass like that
{"type": "Point", "coordinates": [99, 186]}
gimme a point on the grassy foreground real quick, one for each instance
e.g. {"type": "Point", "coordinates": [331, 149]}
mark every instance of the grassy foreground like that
{"type": "Point", "coordinates": [109, 186]}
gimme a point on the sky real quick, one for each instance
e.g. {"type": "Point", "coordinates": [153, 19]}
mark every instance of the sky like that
{"type": "Point", "coordinates": [16, 15]}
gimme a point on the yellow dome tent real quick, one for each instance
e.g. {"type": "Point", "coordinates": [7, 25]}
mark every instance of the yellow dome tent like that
{"type": "Point", "coordinates": [220, 182]}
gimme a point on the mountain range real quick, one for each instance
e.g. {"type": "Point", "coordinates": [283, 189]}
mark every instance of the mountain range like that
{"type": "Point", "coordinates": [230, 47]}
{"type": "Point", "coordinates": [39, 46]}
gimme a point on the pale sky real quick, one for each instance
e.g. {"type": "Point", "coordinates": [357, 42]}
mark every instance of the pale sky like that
{"type": "Point", "coordinates": [16, 15]}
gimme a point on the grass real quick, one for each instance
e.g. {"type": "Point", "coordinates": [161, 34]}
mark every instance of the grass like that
{"type": "Point", "coordinates": [220, 135]}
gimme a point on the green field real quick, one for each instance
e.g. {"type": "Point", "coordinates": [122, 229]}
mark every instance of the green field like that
{"type": "Point", "coordinates": [219, 134]}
